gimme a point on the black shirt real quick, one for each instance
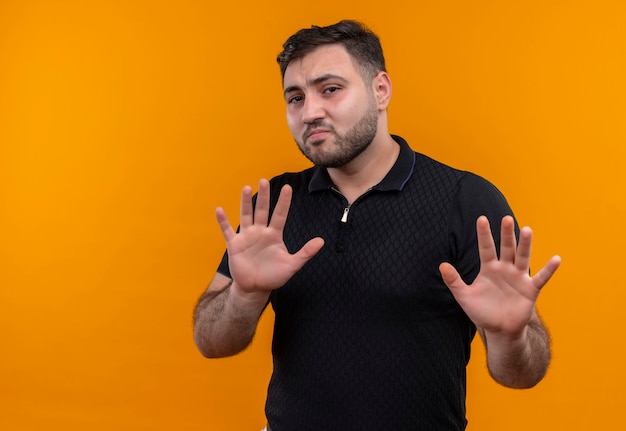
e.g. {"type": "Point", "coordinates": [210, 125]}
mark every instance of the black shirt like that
{"type": "Point", "coordinates": [367, 336]}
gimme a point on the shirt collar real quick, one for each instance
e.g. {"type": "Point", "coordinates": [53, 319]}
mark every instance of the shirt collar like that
{"type": "Point", "coordinates": [395, 179]}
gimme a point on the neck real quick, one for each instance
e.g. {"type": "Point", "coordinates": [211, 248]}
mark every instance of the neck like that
{"type": "Point", "coordinates": [368, 169]}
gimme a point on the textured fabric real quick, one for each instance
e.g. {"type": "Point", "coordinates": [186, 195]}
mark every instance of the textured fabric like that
{"type": "Point", "coordinates": [367, 336]}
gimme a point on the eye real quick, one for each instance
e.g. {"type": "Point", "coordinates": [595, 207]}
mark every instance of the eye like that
{"type": "Point", "coordinates": [295, 99]}
{"type": "Point", "coordinates": [331, 89]}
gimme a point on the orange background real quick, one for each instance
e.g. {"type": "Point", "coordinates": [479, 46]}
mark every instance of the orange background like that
{"type": "Point", "coordinates": [124, 124]}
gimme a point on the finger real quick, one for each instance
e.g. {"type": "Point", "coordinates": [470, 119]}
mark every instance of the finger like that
{"type": "Point", "coordinates": [451, 277]}
{"type": "Point", "coordinates": [522, 258]}
{"type": "Point", "coordinates": [279, 216]}
{"type": "Point", "coordinates": [486, 246]}
{"type": "Point", "coordinates": [545, 273]}
{"type": "Point", "coordinates": [310, 249]}
{"type": "Point", "coordinates": [508, 242]}
{"type": "Point", "coordinates": [227, 230]}
{"type": "Point", "coordinates": [246, 215]}
{"type": "Point", "coordinates": [262, 208]}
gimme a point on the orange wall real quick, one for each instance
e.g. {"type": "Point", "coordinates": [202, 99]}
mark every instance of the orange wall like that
{"type": "Point", "coordinates": [124, 124]}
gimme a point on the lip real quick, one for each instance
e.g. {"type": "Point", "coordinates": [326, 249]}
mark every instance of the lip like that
{"type": "Point", "coordinates": [316, 134]}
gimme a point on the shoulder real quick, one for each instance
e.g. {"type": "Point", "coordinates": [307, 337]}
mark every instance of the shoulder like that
{"type": "Point", "coordinates": [478, 187]}
{"type": "Point", "coordinates": [299, 182]}
{"type": "Point", "coordinates": [434, 177]}
{"type": "Point", "coordinates": [464, 181]}
{"type": "Point", "coordinates": [294, 179]}
{"type": "Point", "coordinates": [425, 165]}
{"type": "Point", "coordinates": [476, 196]}
{"type": "Point", "coordinates": [464, 190]}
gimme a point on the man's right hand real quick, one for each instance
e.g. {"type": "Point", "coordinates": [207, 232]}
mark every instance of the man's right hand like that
{"type": "Point", "coordinates": [258, 259]}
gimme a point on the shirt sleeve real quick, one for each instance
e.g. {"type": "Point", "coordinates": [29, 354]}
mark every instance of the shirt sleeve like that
{"type": "Point", "coordinates": [474, 197]}
{"type": "Point", "coordinates": [223, 266]}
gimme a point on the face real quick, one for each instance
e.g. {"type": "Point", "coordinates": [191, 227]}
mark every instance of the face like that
{"type": "Point", "coordinates": [331, 112]}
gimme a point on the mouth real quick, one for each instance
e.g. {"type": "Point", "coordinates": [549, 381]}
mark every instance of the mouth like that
{"type": "Point", "coordinates": [315, 136]}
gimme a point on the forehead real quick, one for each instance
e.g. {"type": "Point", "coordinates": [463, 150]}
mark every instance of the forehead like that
{"type": "Point", "coordinates": [325, 60]}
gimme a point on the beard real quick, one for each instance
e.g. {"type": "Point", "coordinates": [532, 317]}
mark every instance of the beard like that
{"type": "Point", "coordinates": [346, 147]}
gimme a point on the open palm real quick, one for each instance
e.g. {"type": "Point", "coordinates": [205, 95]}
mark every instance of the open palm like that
{"type": "Point", "coordinates": [502, 297]}
{"type": "Point", "coordinates": [258, 257]}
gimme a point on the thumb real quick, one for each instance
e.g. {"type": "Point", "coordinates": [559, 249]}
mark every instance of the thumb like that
{"type": "Point", "coordinates": [451, 277]}
{"type": "Point", "coordinates": [545, 273]}
{"type": "Point", "coordinates": [308, 250]}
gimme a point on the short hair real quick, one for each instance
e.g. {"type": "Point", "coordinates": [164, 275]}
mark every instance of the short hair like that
{"type": "Point", "coordinates": [361, 43]}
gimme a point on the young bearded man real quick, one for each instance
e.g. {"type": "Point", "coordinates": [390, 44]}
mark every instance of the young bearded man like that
{"type": "Point", "coordinates": [379, 262]}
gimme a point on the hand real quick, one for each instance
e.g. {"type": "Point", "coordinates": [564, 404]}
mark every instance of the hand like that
{"type": "Point", "coordinates": [257, 255]}
{"type": "Point", "coordinates": [502, 297]}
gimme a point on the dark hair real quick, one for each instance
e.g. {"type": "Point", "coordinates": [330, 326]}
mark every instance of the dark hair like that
{"type": "Point", "coordinates": [360, 42]}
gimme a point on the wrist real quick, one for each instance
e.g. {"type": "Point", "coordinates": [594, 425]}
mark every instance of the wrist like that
{"type": "Point", "coordinates": [507, 336]}
{"type": "Point", "coordinates": [247, 299]}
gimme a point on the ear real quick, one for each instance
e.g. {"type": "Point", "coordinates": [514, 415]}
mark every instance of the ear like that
{"type": "Point", "coordinates": [381, 84]}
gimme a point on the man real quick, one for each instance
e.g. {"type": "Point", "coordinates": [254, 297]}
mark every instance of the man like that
{"type": "Point", "coordinates": [380, 263]}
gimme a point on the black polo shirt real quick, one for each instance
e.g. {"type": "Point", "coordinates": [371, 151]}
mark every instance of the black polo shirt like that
{"type": "Point", "coordinates": [367, 336]}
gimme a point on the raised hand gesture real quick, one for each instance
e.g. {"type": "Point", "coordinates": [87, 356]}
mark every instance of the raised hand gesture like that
{"type": "Point", "coordinates": [258, 258]}
{"type": "Point", "coordinates": [501, 300]}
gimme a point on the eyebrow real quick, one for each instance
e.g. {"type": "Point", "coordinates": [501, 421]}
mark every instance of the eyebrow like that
{"type": "Point", "coordinates": [316, 81]}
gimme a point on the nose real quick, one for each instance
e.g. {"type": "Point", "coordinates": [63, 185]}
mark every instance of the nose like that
{"type": "Point", "coordinates": [312, 110]}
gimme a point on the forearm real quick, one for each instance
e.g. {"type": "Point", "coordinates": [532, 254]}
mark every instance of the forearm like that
{"type": "Point", "coordinates": [225, 321]}
{"type": "Point", "coordinates": [520, 361]}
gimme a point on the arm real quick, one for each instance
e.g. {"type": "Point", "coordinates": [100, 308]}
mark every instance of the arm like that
{"type": "Point", "coordinates": [227, 314]}
{"type": "Point", "coordinates": [501, 303]}
{"type": "Point", "coordinates": [225, 320]}
{"type": "Point", "coordinates": [519, 362]}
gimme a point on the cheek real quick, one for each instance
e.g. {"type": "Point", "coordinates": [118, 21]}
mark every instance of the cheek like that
{"type": "Point", "coordinates": [294, 125]}
{"type": "Point", "coordinates": [348, 115]}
